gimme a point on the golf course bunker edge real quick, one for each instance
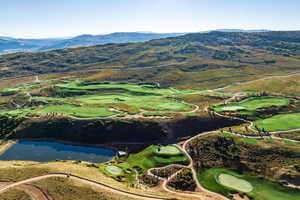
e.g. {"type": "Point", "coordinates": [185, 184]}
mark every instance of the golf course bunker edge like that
{"type": "Point", "coordinates": [234, 183]}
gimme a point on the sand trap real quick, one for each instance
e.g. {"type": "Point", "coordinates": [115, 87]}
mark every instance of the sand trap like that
{"type": "Point", "coordinates": [233, 108]}
{"type": "Point", "coordinates": [235, 183]}
{"type": "Point", "coordinates": [171, 150]}
{"type": "Point", "coordinates": [114, 170]}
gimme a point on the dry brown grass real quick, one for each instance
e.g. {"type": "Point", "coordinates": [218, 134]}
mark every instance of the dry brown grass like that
{"type": "Point", "coordinates": [15, 195]}
{"type": "Point", "coordinates": [20, 170]}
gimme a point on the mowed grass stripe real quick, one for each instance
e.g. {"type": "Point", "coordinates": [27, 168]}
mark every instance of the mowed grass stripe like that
{"type": "Point", "coordinates": [281, 122]}
{"type": "Point", "coordinates": [254, 103]}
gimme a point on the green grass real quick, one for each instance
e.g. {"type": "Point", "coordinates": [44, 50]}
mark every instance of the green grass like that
{"type": "Point", "coordinates": [149, 158]}
{"type": "Point", "coordinates": [144, 160]}
{"type": "Point", "coordinates": [19, 88]}
{"type": "Point", "coordinates": [253, 103]}
{"type": "Point", "coordinates": [77, 111]}
{"type": "Point", "coordinates": [281, 122]}
{"type": "Point", "coordinates": [262, 189]}
{"type": "Point", "coordinates": [290, 143]}
{"type": "Point", "coordinates": [251, 141]}
{"type": "Point", "coordinates": [146, 102]}
{"type": "Point", "coordinates": [226, 134]}
{"type": "Point", "coordinates": [215, 93]}
{"type": "Point", "coordinates": [137, 88]}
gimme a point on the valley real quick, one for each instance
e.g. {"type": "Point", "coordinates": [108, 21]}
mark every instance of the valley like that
{"type": "Point", "coordinates": [212, 125]}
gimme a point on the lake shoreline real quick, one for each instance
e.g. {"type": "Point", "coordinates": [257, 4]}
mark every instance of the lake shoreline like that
{"type": "Point", "coordinates": [6, 144]}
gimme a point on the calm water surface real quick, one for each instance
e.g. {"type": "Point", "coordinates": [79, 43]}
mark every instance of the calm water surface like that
{"type": "Point", "coordinates": [50, 151]}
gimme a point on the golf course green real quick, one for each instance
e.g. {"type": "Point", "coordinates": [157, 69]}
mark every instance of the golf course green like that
{"type": "Point", "coordinates": [252, 104]}
{"type": "Point", "coordinates": [225, 181]}
{"type": "Point", "coordinates": [114, 170]}
{"type": "Point", "coordinates": [281, 122]}
{"type": "Point", "coordinates": [94, 99]}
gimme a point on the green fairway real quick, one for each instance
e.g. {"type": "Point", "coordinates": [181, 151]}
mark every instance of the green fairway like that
{"type": "Point", "coordinates": [253, 103]}
{"type": "Point", "coordinates": [142, 161]}
{"type": "Point", "coordinates": [76, 111]}
{"type": "Point", "coordinates": [114, 170]}
{"type": "Point", "coordinates": [130, 87]}
{"type": "Point", "coordinates": [262, 189]}
{"type": "Point", "coordinates": [143, 102]}
{"type": "Point", "coordinates": [251, 141]}
{"type": "Point", "coordinates": [281, 122]}
{"type": "Point", "coordinates": [215, 93]}
{"type": "Point", "coordinates": [150, 157]}
{"type": "Point", "coordinates": [104, 99]}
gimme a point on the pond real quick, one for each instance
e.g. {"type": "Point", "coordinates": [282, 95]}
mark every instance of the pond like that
{"type": "Point", "coordinates": [51, 151]}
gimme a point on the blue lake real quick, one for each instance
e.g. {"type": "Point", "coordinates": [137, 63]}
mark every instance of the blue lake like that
{"type": "Point", "coordinates": [51, 151]}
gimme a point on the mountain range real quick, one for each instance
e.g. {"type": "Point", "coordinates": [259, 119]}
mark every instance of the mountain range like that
{"type": "Point", "coordinates": [13, 45]}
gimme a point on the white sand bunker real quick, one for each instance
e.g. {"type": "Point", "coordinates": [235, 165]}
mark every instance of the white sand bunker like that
{"type": "Point", "coordinates": [233, 108]}
{"type": "Point", "coordinates": [170, 150]}
{"type": "Point", "coordinates": [113, 170]}
{"type": "Point", "coordinates": [235, 183]}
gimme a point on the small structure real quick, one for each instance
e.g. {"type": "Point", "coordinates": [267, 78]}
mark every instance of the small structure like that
{"type": "Point", "coordinates": [121, 154]}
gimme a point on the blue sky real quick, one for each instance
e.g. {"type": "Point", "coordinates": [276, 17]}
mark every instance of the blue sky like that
{"type": "Point", "coordinates": [57, 18]}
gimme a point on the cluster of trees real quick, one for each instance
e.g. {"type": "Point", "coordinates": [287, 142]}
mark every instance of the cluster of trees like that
{"type": "Point", "coordinates": [183, 181]}
{"type": "Point", "coordinates": [149, 180]}
{"type": "Point", "coordinates": [234, 153]}
{"type": "Point", "coordinates": [166, 172]}
{"type": "Point", "coordinates": [8, 125]}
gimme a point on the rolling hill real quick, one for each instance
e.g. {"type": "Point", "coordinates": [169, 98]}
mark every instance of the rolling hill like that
{"type": "Point", "coordinates": [198, 60]}
{"type": "Point", "coordinates": [13, 45]}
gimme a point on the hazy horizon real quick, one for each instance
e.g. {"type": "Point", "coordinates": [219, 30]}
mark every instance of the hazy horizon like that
{"type": "Point", "coordinates": [67, 18]}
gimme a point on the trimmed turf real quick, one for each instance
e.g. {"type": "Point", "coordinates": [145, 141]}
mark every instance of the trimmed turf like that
{"type": "Point", "coordinates": [235, 183]}
{"type": "Point", "coordinates": [281, 122]}
{"type": "Point", "coordinates": [226, 134]}
{"type": "Point", "coordinates": [262, 189]}
{"type": "Point", "coordinates": [251, 141]}
{"type": "Point", "coordinates": [253, 103]}
{"type": "Point", "coordinates": [168, 150]}
{"type": "Point", "coordinates": [143, 102]}
{"type": "Point", "coordinates": [138, 88]}
{"type": "Point", "coordinates": [149, 157]}
{"type": "Point", "coordinates": [76, 111]}
{"type": "Point", "coordinates": [114, 170]}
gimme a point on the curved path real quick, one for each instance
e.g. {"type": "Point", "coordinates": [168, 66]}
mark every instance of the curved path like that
{"type": "Point", "coordinates": [85, 180]}
{"type": "Point", "coordinates": [195, 177]}
{"type": "Point", "coordinates": [33, 191]}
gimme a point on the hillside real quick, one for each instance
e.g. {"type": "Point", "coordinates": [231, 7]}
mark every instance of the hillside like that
{"type": "Point", "coordinates": [13, 45]}
{"type": "Point", "coordinates": [199, 60]}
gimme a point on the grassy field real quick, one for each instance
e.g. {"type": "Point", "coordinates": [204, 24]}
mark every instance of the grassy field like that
{"type": "Point", "coordinates": [67, 189]}
{"type": "Point", "coordinates": [15, 195]}
{"type": "Point", "coordinates": [142, 102]}
{"type": "Point", "coordinates": [262, 189]}
{"type": "Point", "coordinates": [76, 111]}
{"type": "Point", "coordinates": [282, 85]}
{"type": "Point", "coordinates": [144, 160]}
{"type": "Point", "coordinates": [21, 170]}
{"type": "Point", "coordinates": [281, 122]}
{"type": "Point", "coordinates": [96, 99]}
{"type": "Point", "coordinates": [129, 87]}
{"type": "Point", "coordinates": [253, 103]}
